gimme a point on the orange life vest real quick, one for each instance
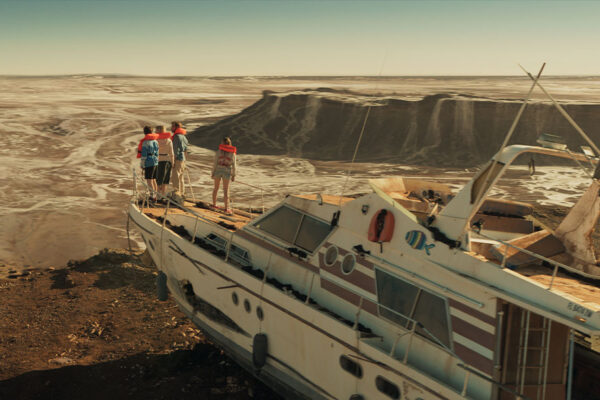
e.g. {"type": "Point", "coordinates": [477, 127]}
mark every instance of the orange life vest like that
{"type": "Point", "coordinates": [227, 148]}
{"type": "Point", "coordinates": [148, 136]}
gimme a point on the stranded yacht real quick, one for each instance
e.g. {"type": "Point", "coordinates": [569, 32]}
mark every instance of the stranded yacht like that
{"type": "Point", "coordinates": [409, 292]}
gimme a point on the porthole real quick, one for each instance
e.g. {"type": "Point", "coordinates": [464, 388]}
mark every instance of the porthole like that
{"type": "Point", "coordinates": [259, 313]}
{"type": "Point", "coordinates": [331, 255]}
{"type": "Point", "coordinates": [247, 305]}
{"type": "Point", "coordinates": [386, 387]}
{"type": "Point", "coordinates": [234, 298]}
{"type": "Point", "coordinates": [351, 366]}
{"type": "Point", "coordinates": [348, 263]}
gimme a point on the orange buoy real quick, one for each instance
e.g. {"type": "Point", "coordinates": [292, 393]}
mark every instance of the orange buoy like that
{"type": "Point", "coordinates": [381, 228]}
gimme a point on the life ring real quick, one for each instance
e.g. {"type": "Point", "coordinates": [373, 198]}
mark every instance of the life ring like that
{"type": "Point", "coordinates": [381, 228]}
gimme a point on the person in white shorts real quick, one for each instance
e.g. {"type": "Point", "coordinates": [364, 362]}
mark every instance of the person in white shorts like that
{"type": "Point", "coordinates": [224, 169]}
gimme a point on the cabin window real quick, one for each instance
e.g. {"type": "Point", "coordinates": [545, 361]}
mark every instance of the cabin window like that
{"type": "Point", "coordinates": [386, 387]}
{"type": "Point", "coordinates": [351, 366]}
{"type": "Point", "coordinates": [331, 255]}
{"type": "Point", "coordinates": [239, 255]}
{"type": "Point", "coordinates": [430, 311]}
{"type": "Point", "coordinates": [236, 254]}
{"type": "Point", "coordinates": [400, 300]}
{"type": "Point", "coordinates": [348, 263]}
{"type": "Point", "coordinates": [216, 241]}
{"type": "Point", "coordinates": [295, 227]}
{"type": "Point", "coordinates": [282, 223]}
{"type": "Point", "coordinates": [312, 232]}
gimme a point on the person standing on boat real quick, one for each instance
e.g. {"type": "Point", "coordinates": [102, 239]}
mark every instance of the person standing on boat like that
{"type": "Point", "coordinates": [180, 144]}
{"type": "Point", "coordinates": [165, 159]}
{"type": "Point", "coordinates": [148, 152]}
{"type": "Point", "coordinates": [224, 168]}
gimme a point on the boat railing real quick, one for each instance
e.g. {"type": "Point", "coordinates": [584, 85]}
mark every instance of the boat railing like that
{"type": "Point", "coordinates": [554, 263]}
{"type": "Point", "coordinates": [414, 324]}
{"type": "Point", "coordinates": [170, 201]}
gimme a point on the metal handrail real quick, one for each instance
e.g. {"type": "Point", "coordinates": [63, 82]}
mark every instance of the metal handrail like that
{"type": "Point", "coordinates": [540, 257]}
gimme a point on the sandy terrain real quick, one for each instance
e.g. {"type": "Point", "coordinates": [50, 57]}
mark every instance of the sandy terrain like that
{"type": "Point", "coordinates": [69, 149]}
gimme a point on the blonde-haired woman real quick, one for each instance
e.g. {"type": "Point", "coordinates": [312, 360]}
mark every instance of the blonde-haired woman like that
{"type": "Point", "coordinates": [224, 169]}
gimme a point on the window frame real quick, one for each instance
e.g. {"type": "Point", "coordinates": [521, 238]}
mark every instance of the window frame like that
{"type": "Point", "coordinates": [389, 383]}
{"type": "Point", "coordinates": [345, 360]}
{"type": "Point", "coordinates": [303, 214]}
{"type": "Point", "coordinates": [410, 318]}
{"type": "Point", "coordinates": [223, 247]}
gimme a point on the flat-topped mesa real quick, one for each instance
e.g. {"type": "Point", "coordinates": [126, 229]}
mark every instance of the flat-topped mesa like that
{"type": "Point", "coordinates": [443, 130]}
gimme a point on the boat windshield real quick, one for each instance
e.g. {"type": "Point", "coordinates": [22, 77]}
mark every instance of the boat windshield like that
{"type": "Point", "coordinates": [295, 227]}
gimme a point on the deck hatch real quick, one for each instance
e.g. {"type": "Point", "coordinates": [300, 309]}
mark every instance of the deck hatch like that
{"type": "Point", "coordinates": [400, 300]}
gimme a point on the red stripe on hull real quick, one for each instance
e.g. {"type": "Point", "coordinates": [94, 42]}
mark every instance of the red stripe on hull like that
{"type": "Point", "coordinates": [355, 277]}
{"type": "Point", "coordinates": [473, 333]}
{"type": "Point", "coordinates": [277, 250]}
{"type": "Point", "coordinates": [347, 295]}
{"type": "Point", "coordinates": [472, 312]}
{"type": "Point", "coordinates": [474, 359]}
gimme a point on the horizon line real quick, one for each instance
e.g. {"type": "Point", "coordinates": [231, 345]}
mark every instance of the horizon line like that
{"type": "Point", "coordinates": [116, 74]}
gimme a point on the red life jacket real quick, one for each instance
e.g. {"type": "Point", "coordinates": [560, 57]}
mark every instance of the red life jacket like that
{"type": "Point", "coordinates": [179, 131]}
{"type": "Point", "coordinates": [148, 136]}
{"type": "Point", "coordinates": [164, 135]}
{"type": "Point", "coordinates": [227, 148]}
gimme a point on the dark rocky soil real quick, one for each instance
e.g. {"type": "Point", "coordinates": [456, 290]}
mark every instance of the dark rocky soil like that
{"type": "Point", "coordinates": [95, 330]}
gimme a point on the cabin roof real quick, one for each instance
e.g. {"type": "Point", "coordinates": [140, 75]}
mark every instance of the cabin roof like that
{"type": "Point", "coordinates": [587, 293]}
{"type": "Point", "coordinates": [327, 198]}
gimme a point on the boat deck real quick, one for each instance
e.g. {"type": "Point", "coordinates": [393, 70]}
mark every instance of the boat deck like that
{"type": "Point", "coordinates": [586, 291]}
{"type": "Point", "coordinates": [230, 222]}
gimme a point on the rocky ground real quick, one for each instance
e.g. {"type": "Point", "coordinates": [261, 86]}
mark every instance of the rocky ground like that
{"type": "Point", "coordinates": [95, 330]}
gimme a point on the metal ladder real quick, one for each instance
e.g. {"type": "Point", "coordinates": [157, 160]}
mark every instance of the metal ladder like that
{"type": "Point", "coordinates": [525, 334]}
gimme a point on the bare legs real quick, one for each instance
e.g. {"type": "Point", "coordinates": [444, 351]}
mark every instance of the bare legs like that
{"type": "Point", "coordinates": [225, 192]}
{"type": "Point", "coordinates": [152, 184]}
{"type": "Point", "coordinates": [163, 189]}
{"type": "Point", "coordinates": [216, 190]}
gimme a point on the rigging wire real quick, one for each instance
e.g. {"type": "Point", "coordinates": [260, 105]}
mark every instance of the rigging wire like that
{"type": "Point", "coordinates": [362, 131]}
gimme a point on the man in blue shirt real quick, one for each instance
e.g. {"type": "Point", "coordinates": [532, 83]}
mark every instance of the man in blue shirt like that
{"type": "Point", "coordinates": [149, 158]}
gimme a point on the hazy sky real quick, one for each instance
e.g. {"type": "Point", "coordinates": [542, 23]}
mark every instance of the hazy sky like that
{"type": "Point", "coordinates": [298, 37]}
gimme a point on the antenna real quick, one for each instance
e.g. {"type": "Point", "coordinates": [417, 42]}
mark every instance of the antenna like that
{"type": "Point", "coordinates": [511, 130]}
{"type": "Point", "coordinates": [564, 113]}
